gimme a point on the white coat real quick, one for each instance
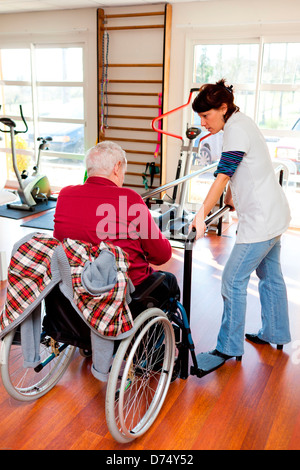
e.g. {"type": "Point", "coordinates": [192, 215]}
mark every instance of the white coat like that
{"type": "Point", "coordinates": [260, 202]}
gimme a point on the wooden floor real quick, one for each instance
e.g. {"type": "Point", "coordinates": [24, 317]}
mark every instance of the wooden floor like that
{"type": "Point", "coordinates": [254, 404]}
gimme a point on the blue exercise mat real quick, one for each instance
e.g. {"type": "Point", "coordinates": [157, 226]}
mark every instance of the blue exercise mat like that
{"type": "Point", "coordinates": [45, 221]}
{"type": "Point", "coordinates": [21, 214]}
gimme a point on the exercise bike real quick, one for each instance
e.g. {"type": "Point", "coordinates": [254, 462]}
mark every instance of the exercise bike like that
{"type": "Point", "coordinates": [33, 188]}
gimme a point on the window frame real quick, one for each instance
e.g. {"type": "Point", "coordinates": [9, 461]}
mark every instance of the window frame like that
{"type": "Point", "coordinates": [34, 84]}
{"type": "Point", "coordinates": [267, 34]}
{"type": "Point", "coordinates": [198, 39]}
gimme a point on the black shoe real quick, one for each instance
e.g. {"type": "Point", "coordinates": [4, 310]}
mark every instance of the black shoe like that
{"type": "Point", "coordinates": [255, 339]}
{"type": "Point", "coordinates": [215, 352]}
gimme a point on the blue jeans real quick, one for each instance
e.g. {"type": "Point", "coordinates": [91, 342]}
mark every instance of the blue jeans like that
{"type": "Point", "coordinates": [264, 257]}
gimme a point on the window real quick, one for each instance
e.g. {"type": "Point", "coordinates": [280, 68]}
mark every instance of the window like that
{"type": "Point", "coordinates": [266, 79]}
{"type": "Point", "coordinates": [279, 94]}
{"type": "Point", "coordinates": [235, 62]}
{"type": "Point", "coordinates": [48, 82]}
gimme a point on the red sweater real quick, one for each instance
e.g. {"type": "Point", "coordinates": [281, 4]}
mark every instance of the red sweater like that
{"type": "Point", "coordinates": [99, 210]}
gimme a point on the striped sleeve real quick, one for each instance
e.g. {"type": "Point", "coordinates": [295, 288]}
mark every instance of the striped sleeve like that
{"type": "Point", "coordinates": [228, 162]}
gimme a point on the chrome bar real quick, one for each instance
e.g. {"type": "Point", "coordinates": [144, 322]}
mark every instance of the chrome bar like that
{"type": "Point", "coordinates": [166, 186]}
{"type": "Point", "coordinates": [216, 215]}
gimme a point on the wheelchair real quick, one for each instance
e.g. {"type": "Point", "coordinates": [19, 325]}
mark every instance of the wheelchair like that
{"type": "Point", "coordinates": [143, 364]}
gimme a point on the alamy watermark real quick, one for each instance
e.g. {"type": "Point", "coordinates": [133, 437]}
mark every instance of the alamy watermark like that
{"type": "Point", "coordinates": [128, 221]}
{"type": "Point", "coordinates": [125, 221]}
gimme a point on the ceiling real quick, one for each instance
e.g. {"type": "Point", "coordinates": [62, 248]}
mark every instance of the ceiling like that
{"type": "Point", "coordinates": [22, 6]}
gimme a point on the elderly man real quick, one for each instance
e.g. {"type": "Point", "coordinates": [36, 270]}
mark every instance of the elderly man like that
{"type": "Point", "coordinates": [102, 210]}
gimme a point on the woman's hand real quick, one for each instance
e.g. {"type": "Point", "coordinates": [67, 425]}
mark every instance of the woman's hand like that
{"type": "Point", "coordinates": [199, 224]}
{"type": "Point", "coordinates": [228, 199]}
{"type": "Point", "coordinates": [210, 201]}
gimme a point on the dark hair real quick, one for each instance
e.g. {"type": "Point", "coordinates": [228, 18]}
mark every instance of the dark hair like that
{"type": "Point", "coordinates": [213, 96]}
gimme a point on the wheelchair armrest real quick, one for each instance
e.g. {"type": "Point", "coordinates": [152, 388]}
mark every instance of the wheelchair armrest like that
{"type": "Point", "coordinates": [146, 287]}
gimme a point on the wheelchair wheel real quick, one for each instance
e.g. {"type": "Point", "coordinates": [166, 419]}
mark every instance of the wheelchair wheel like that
{"type": "Point", "coordinates": [140, 376]}
{"type": "Point", "coordinates": [26, 384]}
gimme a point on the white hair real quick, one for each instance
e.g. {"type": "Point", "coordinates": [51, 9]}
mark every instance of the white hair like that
{"type": "Point", "coordinates": [101, 159]}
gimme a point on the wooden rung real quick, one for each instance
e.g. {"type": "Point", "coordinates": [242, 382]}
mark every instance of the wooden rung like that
{"type": "Point", "coordinates": [140, 141]}
{"type": "Point", "coordinates": [138, 186]}
{"type": "Point", "coordinates": [130, 93]}
{"type": "Point", "coordinates": [134, 105]}
{"type": "Point", "coordinates": [121, 116]}
{"type": "Point", "coordinates": [140, 163]}
{"type": "Point", "coordinates": [132, 173]}
{"type": "Point", "coordinates": [135, 129]}
{"type": "Point", "coordinates": [122, 28]}
{"type": "Point", "coordinates": [134, 65]}
{"type": "Point", "coordinates": [140, 152]}
{"type": "Point", "coordinates": [134, 81]}
{"type": "Point", "coordinates": [132, 15]}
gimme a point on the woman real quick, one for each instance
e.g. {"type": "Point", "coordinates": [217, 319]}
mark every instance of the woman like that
{"type": "Point", "coordinates": [263, 214]}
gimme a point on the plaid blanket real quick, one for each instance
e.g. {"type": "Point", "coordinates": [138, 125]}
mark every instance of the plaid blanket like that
{"type": "Point", "coordinates": [107, 312]}
{"type": "Point", "coordinates": [30, 273]}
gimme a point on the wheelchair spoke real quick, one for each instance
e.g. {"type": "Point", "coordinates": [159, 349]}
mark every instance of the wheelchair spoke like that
{"type": "Point", "coordinates": [28, 383]}
{"type": "Point", "coordinates": [144, 366]}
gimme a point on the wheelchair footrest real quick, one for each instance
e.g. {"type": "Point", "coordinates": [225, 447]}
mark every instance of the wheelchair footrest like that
{"type": "Point", "coordinates": [206, 363]}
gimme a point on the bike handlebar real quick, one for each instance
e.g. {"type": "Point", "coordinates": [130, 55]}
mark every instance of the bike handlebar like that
{"type": "Point", "coordinates": [10, 123]}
